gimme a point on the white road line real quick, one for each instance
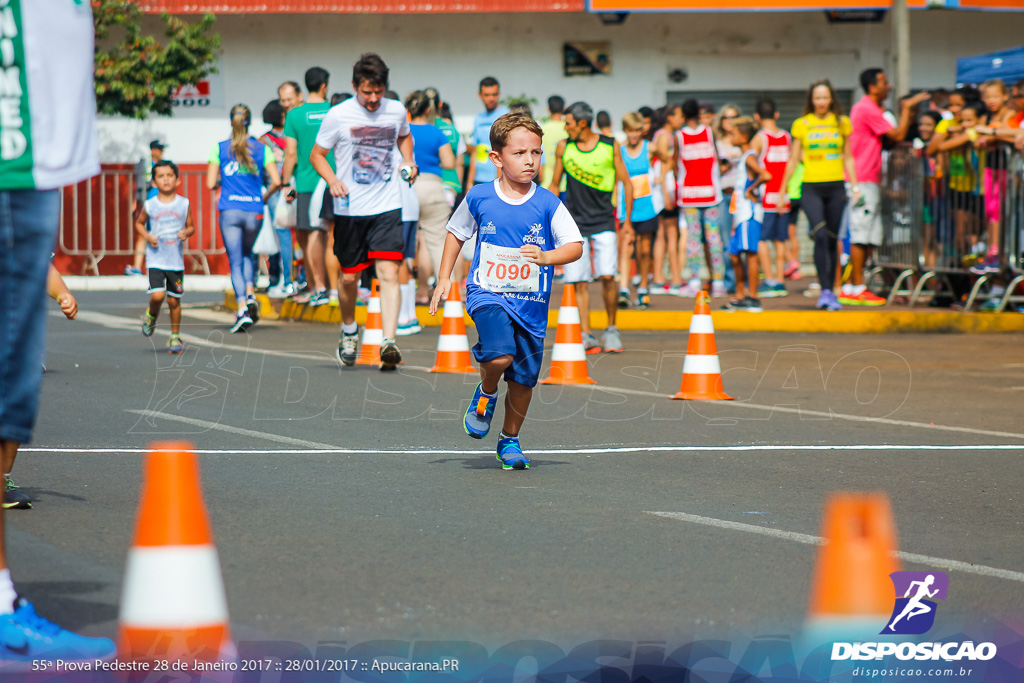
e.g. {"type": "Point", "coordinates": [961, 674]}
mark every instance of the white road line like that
{"type": "Point", "coordinates": [816, 413]}
{"type": "Point", "coordinates": [323, 449]}
{"type": "Point", "coordinates": [119, 323]}
{"type": "Point", "coordinates": [126, 323]}
{"type": "Point", "coordinates": [233, 430]}
{"type": "Point", "coordinates": [939, 562]}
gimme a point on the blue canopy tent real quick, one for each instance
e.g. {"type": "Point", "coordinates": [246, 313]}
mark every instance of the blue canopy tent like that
{"type": "Point", "coordinates": [1007, 65]}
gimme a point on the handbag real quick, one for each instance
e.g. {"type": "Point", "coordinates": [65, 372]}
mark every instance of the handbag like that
{"type": "Point", "coordinates": [284, 212]}
{"type": "Point", "coordinates": [266, 240]}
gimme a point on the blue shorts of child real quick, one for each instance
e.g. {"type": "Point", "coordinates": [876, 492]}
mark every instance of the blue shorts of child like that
{"type": "Point", "coordinates": [500, 335]}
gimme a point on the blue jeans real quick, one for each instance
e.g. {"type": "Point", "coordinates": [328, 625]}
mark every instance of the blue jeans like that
{"type": "Point", "coordinates": [28, 230]}
{"type": "Point", "coordinates": [239, 229]}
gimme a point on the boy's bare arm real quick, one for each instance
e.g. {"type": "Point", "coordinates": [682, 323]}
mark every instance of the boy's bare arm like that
{"type": "Point", "coordinates": [59, 292]}
{"type": "Point", "coordinates": [452, 248]}
{"type": "Point", "coordinates": [140, 228]}
{"type": "Point", "coordinates": [190, 227]}
{"type": "Point", "coordinates": [567, 253]}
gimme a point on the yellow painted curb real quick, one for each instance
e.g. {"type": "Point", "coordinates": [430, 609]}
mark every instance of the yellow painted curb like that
{"type": "Point", "coordinates": [839, 322]}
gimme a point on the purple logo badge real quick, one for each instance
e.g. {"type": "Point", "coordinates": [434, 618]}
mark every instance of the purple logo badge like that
{"type": "Point", "coordinates": [914, 612]}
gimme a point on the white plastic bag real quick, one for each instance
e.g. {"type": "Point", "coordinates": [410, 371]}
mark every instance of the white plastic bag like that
{"type": "Point", "coordinates": [266, 241]}
{"type": "Point", "coordinates": [284, 212]}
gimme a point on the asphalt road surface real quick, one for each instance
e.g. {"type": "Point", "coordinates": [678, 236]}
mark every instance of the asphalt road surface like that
{"type": "Point", "coordinates": [348, 505]}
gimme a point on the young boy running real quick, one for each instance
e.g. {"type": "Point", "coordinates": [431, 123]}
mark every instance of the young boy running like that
{"type": "Point", "coordinates": [523, 230]}
{"type": "Point", "coordinates": [170, 222]}
{"type": "Point", "coordinates": [747, 213]}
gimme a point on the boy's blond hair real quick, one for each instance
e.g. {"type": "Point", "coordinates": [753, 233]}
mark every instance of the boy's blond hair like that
{"type": "Point", "coordinates": [502, 129]}
{"type": "Point", "coordinates": [632, 120]}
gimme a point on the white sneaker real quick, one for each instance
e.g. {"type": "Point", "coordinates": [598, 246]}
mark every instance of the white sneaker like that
{"type": "Point", "coordinates": [278, 292]}
{"type": "Point", "coordinates": [692, 289]}
{"type": "Point", "coordinates": [717, 288]}
{"type": "Point", "coordinates": [408, 327]}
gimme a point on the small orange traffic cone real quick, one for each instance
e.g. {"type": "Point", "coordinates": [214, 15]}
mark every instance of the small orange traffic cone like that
{"type": "Point", "coordinates": [373, 332]}
{"type": "Point", "coordinates": [173, 605]}
{"type": "Point", "coordinates": [453, 344]}
{"type": "Point", "coordinates": [851, 578]}
{"type": "Point", "coordinates": [568, 359]}
{"type": "Point", "coordinates": [702, 373]}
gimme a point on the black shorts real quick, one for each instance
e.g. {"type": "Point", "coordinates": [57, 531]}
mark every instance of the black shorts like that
{"type": "Point", "coordinates": [648, 227]}
{"type": "Point", "coordinates": [358, 240]}
{"type": "Point", "coordinates": [302, 211]}
{"type": "Point", "coordinates": [170, 281]}
{"type": "Point", "coordinates": [669, 213]}
{"type": "Point", "coordinates": [794, 211]}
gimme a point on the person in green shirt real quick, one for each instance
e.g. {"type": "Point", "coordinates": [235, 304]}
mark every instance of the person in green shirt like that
{"type": "Point", "coordinates": [300, 129]}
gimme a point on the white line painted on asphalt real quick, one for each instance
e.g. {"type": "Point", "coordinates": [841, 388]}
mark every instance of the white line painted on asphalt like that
{"type": "Point", "coordinates": [324, 449]}
{"type": "Point", "coordinates": [120, 323]}
{"type": "Point", "coordinates": [127, 323]}
{"type": "Point", "coordinates": [940, 562]}
{"type": "Point", "coordinates": [815, 413]}
{"type": "Point", "coordinates": [233, 430]}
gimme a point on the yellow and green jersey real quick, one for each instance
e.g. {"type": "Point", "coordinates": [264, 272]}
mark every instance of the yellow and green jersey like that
{"type": "Point", "coordinates": [590, 180]}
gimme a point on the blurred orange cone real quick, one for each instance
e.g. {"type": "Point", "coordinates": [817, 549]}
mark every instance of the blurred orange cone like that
{"type": "Point", "coordinates": [373, 332]}
{"type": "Point", "coordinates": [702, 373]}
{"type": "Point", "coordinates": [173, 605]}
{"type": "Point", "coordinates": [453, 344]}
{"type": "Point", "coordinates": [568, 359]}
{"type": "Point", "coordinates": [851, 577]}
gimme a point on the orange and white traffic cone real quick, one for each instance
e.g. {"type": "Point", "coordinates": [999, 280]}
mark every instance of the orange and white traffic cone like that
{"type": "Point", "coordinates": [851, 578]}
{"type": "Point", "coordinates": [852, 593]}
{"type": "Point", "coordinates": [702, 373]}
{"type": "Point", "coordinates": [173, 605]}
{"type": "Point", "coordinates": [568, 359]}
{"type": "Point", "coordinates": [373, 331]}
{"type": "Point", "coordinates": [453, 344]}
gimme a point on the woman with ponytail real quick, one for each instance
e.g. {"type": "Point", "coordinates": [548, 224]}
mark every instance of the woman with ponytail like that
{"type": "Point", "coordinates": [237, 165]}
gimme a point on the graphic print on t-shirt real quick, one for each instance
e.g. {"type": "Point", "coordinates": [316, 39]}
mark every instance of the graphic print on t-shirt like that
{"type": "Point", "coordinates": [372, 159]}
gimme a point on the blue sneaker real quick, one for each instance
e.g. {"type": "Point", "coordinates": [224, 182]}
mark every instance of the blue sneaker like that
{"type": "Point", "coordinates": [27, 638]}
{"type": "Point", "coordinates": [510, 453]}
{"type": "Point", "coordinates": [478, 416]}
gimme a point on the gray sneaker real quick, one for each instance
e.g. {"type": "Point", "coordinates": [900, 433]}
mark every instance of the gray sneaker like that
{"type": "Point", "coordinates": [347, 348]}
{"type": "Point", "coordinates": [612, 340]}
{"type": "Point", "coordinates": [590, 344]}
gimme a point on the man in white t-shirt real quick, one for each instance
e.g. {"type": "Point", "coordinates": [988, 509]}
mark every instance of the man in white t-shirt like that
{"type": "Point", "coordinates": [363, 132]}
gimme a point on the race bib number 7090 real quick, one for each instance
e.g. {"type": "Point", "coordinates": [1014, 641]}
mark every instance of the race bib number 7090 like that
{"type": "Point", "coordinates": [504, 269]}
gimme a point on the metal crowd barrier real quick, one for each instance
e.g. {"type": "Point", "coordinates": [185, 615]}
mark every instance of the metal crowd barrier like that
{"type": "Point", "coordinates": [940, 215]}
{"type": "Point", "coordinates": [97, 216]}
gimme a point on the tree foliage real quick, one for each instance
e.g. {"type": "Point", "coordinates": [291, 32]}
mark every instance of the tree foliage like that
{"type": "Point", "coordinates": [135, 73]}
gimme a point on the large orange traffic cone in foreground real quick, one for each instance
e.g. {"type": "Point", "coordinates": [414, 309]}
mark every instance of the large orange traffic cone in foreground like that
{"type": "Point", "coordinates": [373, 331]}
{"type": "Point", "coordinates": [173, 605]}
{"type": "Point", "coordinates": [453, 344]}
{"type": "Point", "coordinates": [702, 373]}
{"type": "Point", "coordinates": [851, 578]}
{"type": "Point", "coordinates": [568, 359]}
